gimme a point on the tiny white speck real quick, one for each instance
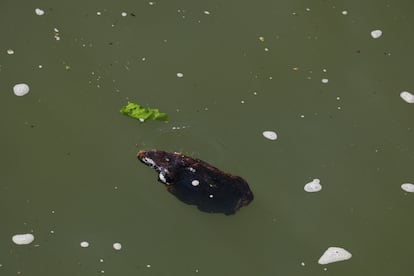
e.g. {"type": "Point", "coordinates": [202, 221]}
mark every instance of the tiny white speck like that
{"type": "Point", "coordinates": [339, 108]}
{"type": "Point", "coordinates": [84, 244]}
{"type": "Point", "coordinates": [338, 98]}
{"type": "Point", "coordinates": [52, 232]}
{"type": "Point", "coordinates": [102, 271]}
{"type": "Point", "coordinates": [124, 14]}
{"type": "Point", "coordinates": [151, 3]}
{"type": "Point", "coordinates": [266, 49]}
{"type": "Point", "coordinates": [143, 59]}
{"type": "Point", "coordinates": [302, 263]}
{"type": "Point", "coordinates": [40, 66]}
{"type": "Point", "coordinates": [211, 196]}
{"type": "Point", "coordinates": [302, 116]}
{"type": "Point", "coordinates": [117, 246]}
{"type": "Point", "coordinates": [39, 11]}
{"type": "Point", "coordinates": [180, 75]}
{"type": "Point", "coordinates": [313, 186]}
{"type": "Point", "coordinates": [101, 260]}
{"type": "Point", "coordinates": [98, 13]}
{"type": "Point", "coordinates": [255, 93]}
{"type": "Point", "coordinates": [21, 89]}
{"type": "Point", "coordinates": [148, 265]}
{"type": "Point", "coordinates": [325, 81]}
{"type": "Point", "coordinates": [344, 12]}
{"type": "Point", "coordinates": [195, 182]}
{"type": "Point", "coordinates": [376, 34]}
{"type": "Point", "coordinates": [206, 12]}
{"type": "Point", "coordinates": [307, 9]}
{"type": "Point", "coordinates": [271, 135]}
{"type": "Point", "coordinates": [242, 101]}
{"type": "Point", "coordinates": [324, 70]}
{"type": "Point", "coordinates": [56, 30]}
{"type": "Point", "coordinates": [408, 187]}
{"type": "Point", "coordinates": [10, 51]}
{"type": "Point", "coordinates": [407, 97]}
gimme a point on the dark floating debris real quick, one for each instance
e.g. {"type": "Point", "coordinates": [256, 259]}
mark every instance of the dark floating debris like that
{"type": "Point", "coordinates": [196, 182]}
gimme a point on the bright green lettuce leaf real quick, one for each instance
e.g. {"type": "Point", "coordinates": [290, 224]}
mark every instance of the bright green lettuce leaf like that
{"type": "Point", "coordinates": [134, 110]}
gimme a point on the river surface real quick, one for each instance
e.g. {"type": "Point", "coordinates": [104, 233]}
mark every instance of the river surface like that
{"type": "Point", "coordinates": [224, 72]}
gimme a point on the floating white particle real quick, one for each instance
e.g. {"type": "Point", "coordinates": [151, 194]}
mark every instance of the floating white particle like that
{"type": "Point", "coordinates": [39, 11]}
{"type": "Point", "coordinates": [408, 187]}
{"type": "Point", "coordinates": [98, 13]}
{"type": "Point", "coordinates": [211, 196]}
{"type": "Point", "coordinates": [344, 12]}
{"type": "Point", "coordinates": [102, 271]}
{"type": "Point", "coordinates": [325, 81]}
{"type": "Point", "coordinates": [313, 186]}
{"type": "Point", "coordinates": [117, 246]}
{"type": "Point", "coordinates": [376, 34]}
{"type": "Point", "coordinates": [334, 254]}
{"type": "Point", "coordinates": [124, 14]}
{"type": "Point", "coordinates": [10, 51]}
{"type": "Point", "coordinates": [40, 66]}
{"type": "Point", "coordinates": [21, 89]}
{"type": "Point", "coordinates": [271, 135]}
{"type": "Point", "coordinates": [84, 244]}
{"type": "Point", "coordinates": [242, 101]}
{"type": "Point", "coordinates": [302, 263]}
{"type": "Point", "coordinates": [101, 260]}
{"type": "Point", "coordinates": [22, 239]}
{"type": "Point", "coordinates": [206, 12]}
{"type": "Point", "coordinates": [195, 182]}
{"type": "Point", "coordinates": [151, 3]}
{"type": "Point", "coordinates": [307, 9]}
{"type": "Point", "coordinates": [407, 97]}
{"type": "Point", "coordinates": [148, 265]}
{"type": "Point", "coordinates": [324, 70]}
{"type": "Point", "coordinates": [180, 75]}
{"type": "Point", "coordinates": [266, 49]}
{"type": "Point", "coordinates": [302, 116]}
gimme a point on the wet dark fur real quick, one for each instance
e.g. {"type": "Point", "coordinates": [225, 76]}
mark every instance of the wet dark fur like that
{"type": "Point", "coordinates": [229, 192]}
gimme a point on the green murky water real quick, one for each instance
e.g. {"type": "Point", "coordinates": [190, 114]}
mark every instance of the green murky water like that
{"type": "Point", "coordinates": [68, 167]}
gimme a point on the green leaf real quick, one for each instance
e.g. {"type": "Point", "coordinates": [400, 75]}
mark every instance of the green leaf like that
{"type": "Point", "coordinates": [135, 111]}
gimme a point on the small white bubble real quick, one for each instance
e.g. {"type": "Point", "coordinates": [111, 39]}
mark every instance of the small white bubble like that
{"type": "Point", "coordinates": [117, 246]}
{"type": "Point", "coordinates": [23, 239]}
{"type": "Point", "coordinates": [313, 186]}
{"type": "Point", "coordinates": [195, 182]}
{"type": "Point", "coordinates": [266, 49]}
{"type": "Point", "coordinates": [302, 263]}
{"type": "Point", "coordinates": [101, 260]}
{"type": "Point", "coordinates": [325, 81]}
{"type": "Point", "coordinates": [39, 11]}
{"type": "Point", "coordinates": [408, 187]}
{"type": "Point", "coordinates": [151, 3]}
{"type": "Point", "coordinates": [206, 12]}
{"type": "Point", "coordinates": [180, 75]}
{"type": "Point", "coordinates": [21, 89]}
{"type": "Point", "coordinates": [10, 51]}
{"type": "Point", "coordinates": [407, 97]}
{"type": "Point", "coordinates": [376, 34]}
{"type": "Point", "coordinates": [302, 116]}
{"type": "Point", "coordinates": [98, 13]}
{"type": "Point", "coordinates": [84, 244]}
{"type": "Point", "coordinates": [271, 135]}
{"type": "Point", "coordinates": [211, 196]}
{"type": "Point", "coordinates": [242, 101]}
{"type": "Point", "coordinates": [307, 9]}
{"type": "Point", "coordinates": [124, 14]}
{"type": "Point", "coordinates": [344, 12]}
{"type": "Point", "coordinates": [148, 265]}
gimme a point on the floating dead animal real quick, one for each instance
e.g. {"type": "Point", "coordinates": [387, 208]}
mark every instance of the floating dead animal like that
{"type": "Point", "coordinates": [198, 183]}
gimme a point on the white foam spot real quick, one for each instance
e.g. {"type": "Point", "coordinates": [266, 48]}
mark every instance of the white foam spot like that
{"type": "Point", "coordinates": [376, 34]}
{"type": "Point", "coordinates": [124, 14]}
{"type": "Point", "coordinates": [407, 97]}
{"type": "Point", "coordinates": [206, 12]}
{"type": "Point", "coordinates": [408, 187]}
{"type": "Point", "coordinates": [344, 12]}
{"type": "Point", "coordinates": [148, 265]}
{"type": "Point", "coordinates": [39, 11]}
{"type": "Point", "coordinates": [313, 186]}
{"type": "Point", "coordinates": [325, 81]}
{"type": "Point", "coordinates": [191, 169]}
{"type": "Point", "coordinates": [10, 51]}
{"type": "Point", "coordinates": [195, 182]}
{"type": "Point", "coordinates": [180, 75]}
{"type": "Point", "coordinates": [84, 244]}
{"type": "Point", "coordinates": [211, 196]}
{"type": "Point", "coordinates": [22, 239]}
{"type": "Point", "coordinates": [117, 246]}
{"type": "Point", "coordinates": [271, 135]}
{"type": "Point", "coordinates": [334, 254]}
{"type": "Point", "coordinates": [98, 13]}
{"type": "Point", "coordinates": [21, 89]}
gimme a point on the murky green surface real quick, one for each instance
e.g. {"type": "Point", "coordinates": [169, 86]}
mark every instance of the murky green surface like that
{"type": "Point", "coordinates": [68, 166]}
